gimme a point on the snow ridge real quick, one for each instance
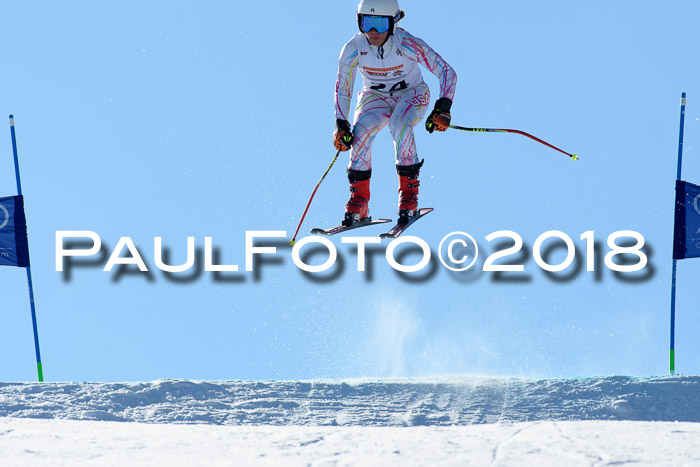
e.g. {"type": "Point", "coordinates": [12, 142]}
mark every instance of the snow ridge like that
{"type": "Point", "coordinates": [380, 402]}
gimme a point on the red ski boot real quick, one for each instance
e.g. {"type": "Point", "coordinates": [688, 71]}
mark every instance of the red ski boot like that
{"type": "Point", "coordinates": [356, 208]}
{"type": "Point", "coordinates": [408, 190]}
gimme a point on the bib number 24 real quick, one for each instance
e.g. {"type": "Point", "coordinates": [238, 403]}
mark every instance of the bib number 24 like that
{"type": "Point", "coordinates": [401, 85]}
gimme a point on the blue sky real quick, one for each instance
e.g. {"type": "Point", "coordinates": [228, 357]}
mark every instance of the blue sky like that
{"type": "Point", "coordinates": [212, 119]}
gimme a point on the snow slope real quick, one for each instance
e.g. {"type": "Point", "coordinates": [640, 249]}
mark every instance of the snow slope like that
{"type": "Point", "coordinates": [451, 421]}
{"type": "Point", "coordinates": [396, 402]}
{"type": "Point", "coordinates": [64, 442]}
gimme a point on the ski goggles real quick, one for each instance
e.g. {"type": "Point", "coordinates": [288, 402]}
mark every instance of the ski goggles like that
{"type": "Point", "coordinates": [381, 24]}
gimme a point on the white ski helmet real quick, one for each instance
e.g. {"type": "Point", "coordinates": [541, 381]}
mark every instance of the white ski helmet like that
{"type": "Point", "coordinates": [379, 8]}
{"type": "Point", "coordinates": [388, 8]}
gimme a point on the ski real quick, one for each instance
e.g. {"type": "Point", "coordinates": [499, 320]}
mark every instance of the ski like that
{"type": "Point", "coordinates": [398, 229]}
{"type": "Point", "coordinates": [343, 228]}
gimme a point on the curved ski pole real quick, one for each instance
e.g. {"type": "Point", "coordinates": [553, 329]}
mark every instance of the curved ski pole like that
{"type": "Point", "coordinates": [573, 157]}
{"type": "Point", "coordinates": [294, 239]}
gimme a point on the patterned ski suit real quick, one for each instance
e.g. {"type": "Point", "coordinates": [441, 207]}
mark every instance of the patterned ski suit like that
{"type": "Point", "coordinates": [393, 92]}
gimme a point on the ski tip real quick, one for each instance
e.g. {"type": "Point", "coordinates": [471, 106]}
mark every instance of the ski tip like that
{"type": "Point", "coordinates": [318, 231]}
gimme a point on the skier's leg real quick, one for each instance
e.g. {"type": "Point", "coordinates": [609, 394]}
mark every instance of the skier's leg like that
{"type": "Point", "coordinates": [371, 115]}
{"type": "Point", "coordinates": [408, 113]}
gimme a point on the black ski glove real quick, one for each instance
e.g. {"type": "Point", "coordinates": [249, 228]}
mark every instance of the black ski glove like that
{"type": "Point", "coordinates": [342, 136]}
{"type": "Point", "coordinates": [439, 118]}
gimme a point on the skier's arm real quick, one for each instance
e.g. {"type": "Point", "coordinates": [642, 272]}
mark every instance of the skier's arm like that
{"type": "Point", "coordinates": [416, 49]}
{"type": "Point", "coordinates": [347, 69]}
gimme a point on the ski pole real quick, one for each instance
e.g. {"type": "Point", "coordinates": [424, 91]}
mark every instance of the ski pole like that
{"type": "Point", "coordinates": [504, 130]}
{"type": "Point", "coordinates": [294, 239]}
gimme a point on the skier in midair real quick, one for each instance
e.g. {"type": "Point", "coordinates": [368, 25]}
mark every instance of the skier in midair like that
{"type": "Point", "coordinates": [393, 93]}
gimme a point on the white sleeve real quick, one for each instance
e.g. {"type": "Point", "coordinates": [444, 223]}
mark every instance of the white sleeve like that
{"type": "Point", "coordinates": [347, 69]}
{"type": "Point", "coordinates": [416, 49]}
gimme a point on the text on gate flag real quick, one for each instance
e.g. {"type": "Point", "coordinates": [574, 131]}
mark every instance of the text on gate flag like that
{"type": "Point", "coordinates": [14, 246]}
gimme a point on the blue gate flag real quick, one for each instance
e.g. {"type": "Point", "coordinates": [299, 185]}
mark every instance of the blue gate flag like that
{"type": "Point", "coordinates": [686, 228]}
{"type": "Point", "coordinates": [14, 246]}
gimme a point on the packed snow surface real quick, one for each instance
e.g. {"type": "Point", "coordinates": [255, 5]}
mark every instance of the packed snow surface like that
{"type": "Point", "coordinates": [409, 402]}
{"type": "Point", "coordinates": [454, 421]}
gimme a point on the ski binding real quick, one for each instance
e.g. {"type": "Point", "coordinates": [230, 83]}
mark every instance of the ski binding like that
{"type": "Point", "coordinates": [398, 228]}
